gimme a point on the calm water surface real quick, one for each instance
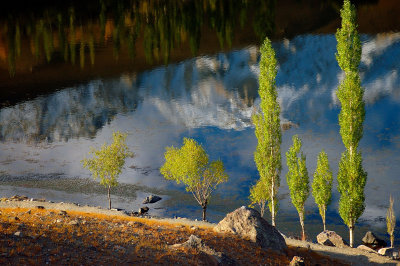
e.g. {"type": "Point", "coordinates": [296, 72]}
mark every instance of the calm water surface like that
{"type": "Point", "coordinates": [209, 96]}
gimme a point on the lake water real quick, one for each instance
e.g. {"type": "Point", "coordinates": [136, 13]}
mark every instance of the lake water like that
{"type": "Point", "coordinates": [193, 75]}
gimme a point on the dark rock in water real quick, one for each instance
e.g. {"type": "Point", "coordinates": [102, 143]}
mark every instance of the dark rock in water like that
{"type": "Point", "coordinates": [248, 223]}
{"type": "Point", "coordinates": [211, 257]}
{"type": "Point", "coordinates": [297, 261]}
{"type": "Point", "coordinates": [331, 238]}
{"type": "Point", "coordinates": [151, 199]}
{"type": "Point", "coordinates": [372, 241]}
{"type": "Point", "coordinates": [143, 210]}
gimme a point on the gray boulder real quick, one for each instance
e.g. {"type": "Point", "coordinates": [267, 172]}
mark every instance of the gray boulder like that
{"type": "Point", "coordinates": [151, 199]}
{"type": "Point", "coordinates": [248, 223]}
{"type": "Point", "coordinates": [330, 238]}
{"type": "Point", "coordinates": [372, 241]}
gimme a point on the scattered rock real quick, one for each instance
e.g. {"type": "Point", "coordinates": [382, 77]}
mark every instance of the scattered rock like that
{"type": "Point", "coordinates": [372, 241]}
{"type": "Point", "coordinates": [297, 261]}
{"type": "Point", "coordinates": [248, 223]}
{"type": "Point", "coordinates": [62, 213]}
{"type": "Point", "coordinates": [151, 199]}
{"type": "Point", "coordinates": [194, 228]}
{"type": "Point", "coordinates": [213, 257]}
{"type": "Point", "coordinates": [40, 207]}
{"type": "Point", "coordinates": [74, 222]}
{"type": "Point", "coordinates": [331, 238]}
{"type": "Point", "coordinates": [18, 233]}
{"type": "Point", "coordinates": [18, 198]}
{"type": "Point", "coordinates": [29, 212]}
{"type": "Point", "coordinates": [364, 247]}
{"type": "Point", "coordinates": [143, 210]}
{"type": "Point", "coordinates": [14, 218]}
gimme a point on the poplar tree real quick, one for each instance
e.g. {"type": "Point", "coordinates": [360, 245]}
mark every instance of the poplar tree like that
{"type": "Point", "coordinates": [108, 161]}
{"type": "Point", "coordinates": [322, 185]}
{"type": "Point", "coordinates": [268, 132]}
{"type": "Point", "coordinates": [351, 176]}
{"type": "Point", "coordinates": [297, 179]}
{"type": "Point", "coordinates": [391, 221]}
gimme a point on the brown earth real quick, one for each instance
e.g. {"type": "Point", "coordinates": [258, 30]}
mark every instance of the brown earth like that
{"type": "Point", "coordinates": [60, 234]}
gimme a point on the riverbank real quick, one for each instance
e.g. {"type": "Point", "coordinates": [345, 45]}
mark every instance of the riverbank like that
{"type": "Point", "coordinates": [38, 232]}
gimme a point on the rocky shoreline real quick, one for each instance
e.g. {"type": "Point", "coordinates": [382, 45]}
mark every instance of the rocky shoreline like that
{"type": "Point", "coordinates": [353, 256]}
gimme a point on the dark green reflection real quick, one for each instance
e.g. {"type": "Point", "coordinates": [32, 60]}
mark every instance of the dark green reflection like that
{"type": "Point", "coordinates": [155, 28]}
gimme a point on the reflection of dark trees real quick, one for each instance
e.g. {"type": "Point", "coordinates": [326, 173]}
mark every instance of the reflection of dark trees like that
{"type": "Point", "coordinates": [70, 34]}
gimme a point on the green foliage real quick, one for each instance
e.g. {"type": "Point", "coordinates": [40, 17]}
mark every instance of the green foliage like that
{"type": "Point", "coordinates": [391, 221]}
{"type": "Point", "coordinates": [108, 161]}
{"type": "Point", "coordinates": [349, 46]}
{"type": "Point", "coordinates": [351, 176]}
{"type": "Point", "coordinates": [297, 178]}
{"type": "Point", "coordinates": [259, 194]}
{"type": "Point", "coordinates": [268, 132]}
{"type": "Point", "coordinates": [190, 165]}
{"type": "Point", "coordinates": [322, 184]}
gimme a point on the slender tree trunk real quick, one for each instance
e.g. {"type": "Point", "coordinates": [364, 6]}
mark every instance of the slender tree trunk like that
{"type": "Point", "coordinates": [351, 230]}
{"type": "Point", "coordinates": [204, 212]}
{"type": "Point", "coordinates": [109, 197]}
{"type": "Point", "coordinates": [391, 240]}
{"type": "Point", "coordinates": [323, 217]}
{"type": "Point", "coordinates": [273, 203]}
{"type": "Point", "coordinates": [303, 233]}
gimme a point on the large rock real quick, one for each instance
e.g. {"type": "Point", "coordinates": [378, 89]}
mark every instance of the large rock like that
{"type": "Point", "coordinates": [330, 238]}
{"type": "Point", "coordinates": [372, 241]}
{"type": "Point", "coordinates": [248, 223]}
{"type": "Point", "coordinates": [368, 249]}
{"type": "Point", "coordinates": [151, 199]}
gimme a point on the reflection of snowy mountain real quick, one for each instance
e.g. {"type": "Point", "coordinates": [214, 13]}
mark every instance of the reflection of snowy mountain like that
{"type": "Point", "coordinates": [217, 91]}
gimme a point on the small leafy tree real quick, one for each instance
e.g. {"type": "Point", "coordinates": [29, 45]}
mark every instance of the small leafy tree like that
{"type": "Point", "coordinates": [108, 161]}
{"type": "Point", "coordinates": [297, 179]}
{"type": "Point", "coordinates": [351, 175]}
{"type": "Point", "coordinates": [189, 165]}
{"type": "Point", "coordinates": [259, 195]}
{"type": "Point", "coordinates": [322, 185]}
{"type": "Point", "coordinates": [268, 132]}
{"type": "Point", "coordinates": [391, 221]}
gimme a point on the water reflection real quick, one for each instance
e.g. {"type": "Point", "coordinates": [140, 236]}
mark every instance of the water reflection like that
{"type": "Point", "coordinates": [211, 98]}
{"type": "Point", "coordinates": [74, 35]}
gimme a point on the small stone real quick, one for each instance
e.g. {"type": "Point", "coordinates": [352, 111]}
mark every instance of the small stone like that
{"type": "Point", "coordinates": [151, 199]}
{"type": "Point", "coordinates": [18, 233]}
{"type": "Point", "coordinates": [194, 228]}
{"type": "Point", "coordinates": [74, 222]}
{"type": "Point", "coordinates": [40, 207]}
{"type": "Point", "coordinates": [143, 210]}
{"type": "Point", "coordinates": [386, 252]}
{"type": "Point", "coordinates": [62, 213]}
{"type": "Point", "coordinates": [29, 212]}
{"type": "Point", "coordinates": [297, 261]}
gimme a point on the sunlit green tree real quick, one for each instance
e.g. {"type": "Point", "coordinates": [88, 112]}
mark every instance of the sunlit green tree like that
{"type": "Point", "coordinates": [391, 221]}
{"type": "Point", "coordinates": [268, 132]}
{"type": "Point", "coordinates": [190, 165]}
{"type": "Point", "coordinates": [108, 161]}
{"type": "Point", "coordinates": [351, 176]}
{"type": "Point", "coordinates": [259, 194]}
{"type": "Point", "coordinates": [322, 185]}
{"type": "Point", "coordinates": [297, 179]}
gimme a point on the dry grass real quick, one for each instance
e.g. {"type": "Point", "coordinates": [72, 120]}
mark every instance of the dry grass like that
{"type": "Point", "coordinates": [50, 237]}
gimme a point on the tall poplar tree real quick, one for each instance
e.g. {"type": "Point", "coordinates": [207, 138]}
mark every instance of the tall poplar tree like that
{"type": "Point", "coordinates": [297, 179]}
{"type": "Point", "coordinates": [268, 132]}
{"type": "Point", "coordinates": [322, 185]}
{"type": "Point", "coordinates": [351, 176]}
